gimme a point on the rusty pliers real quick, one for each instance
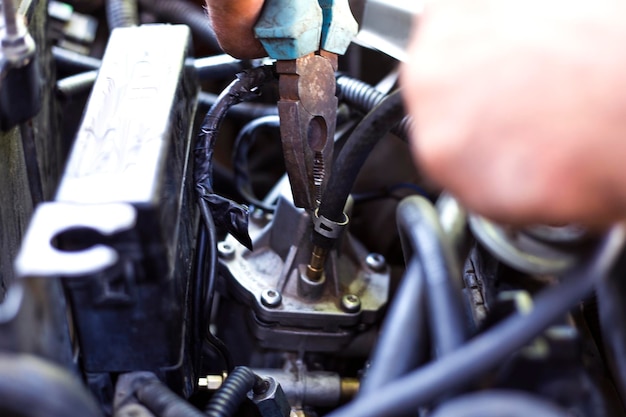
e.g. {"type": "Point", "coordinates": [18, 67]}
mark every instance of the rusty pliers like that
{"type": "Point", "coordinates": [306, 37]}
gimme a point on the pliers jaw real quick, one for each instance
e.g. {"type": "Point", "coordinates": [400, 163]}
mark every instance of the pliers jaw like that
{"type": "Point", "coordinates": [307, 110]}
{"type": "Point", "coordinates": [305, 36]}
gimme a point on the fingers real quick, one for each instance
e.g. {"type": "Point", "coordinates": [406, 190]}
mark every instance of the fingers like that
{"type": "Point", "coordinates": [515, 108]}
{"type": "Point", "coordinates": [233, 22]}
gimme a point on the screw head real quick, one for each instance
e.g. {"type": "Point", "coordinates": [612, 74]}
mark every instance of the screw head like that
{"type": "Point", "coordinates": [226, 250]}
{"type": "Point", "coordinates": [271, 298]}
{"type": "Point", "coordinates": [376, 262]}
{"type": "Point", "coordinates": [350, 303]}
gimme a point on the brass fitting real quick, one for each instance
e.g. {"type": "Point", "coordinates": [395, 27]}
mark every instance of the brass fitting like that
{"type": "Point", "coordinates": [315, 268]}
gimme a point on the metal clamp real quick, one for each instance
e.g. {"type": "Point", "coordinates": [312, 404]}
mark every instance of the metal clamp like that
{"type": "Point", "coordinates": [327, 227]}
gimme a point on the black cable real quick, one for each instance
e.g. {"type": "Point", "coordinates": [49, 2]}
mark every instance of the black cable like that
{"type": "Point", "coordinates": [401, 344]}
{"type": "Point", "coordinates": [208, 262]}
{"type": "Point", "coordinates": [244, 87]}
{"type": "Point", "coordinates": [206, 278]}
{"type": "Point", "coordinates": [364, 98]}
{"type": "Point", "coordinates": [244, 111]}
{"type": "Point", "coordinates": [193, 15]}
{"type": "Point", "coordinates": [121, 13]}
{"type": "Point", "coordinates": [240, 159]}
{"type": "Point", "coordinates": [420, 230]}
{"type": "Point", "coordinates": [32, 387]}
{"type": "Point", "coordinates": [499, 404]}
{"type": "Point", "coordinates": [352, 157]}
{"type": "Point", "coordinates": [232, 393]}
{"type": "Point", "coordinates": [487, 350]}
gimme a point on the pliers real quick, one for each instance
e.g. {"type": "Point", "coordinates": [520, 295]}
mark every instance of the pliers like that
{"type": "Point", "coordinates": [306, 37]}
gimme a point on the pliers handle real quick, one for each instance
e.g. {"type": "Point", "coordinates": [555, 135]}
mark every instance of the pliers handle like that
{"type": "Point", "coordinates": [305, 36]}
{"type": "Point", "coordinates": [290, 29]}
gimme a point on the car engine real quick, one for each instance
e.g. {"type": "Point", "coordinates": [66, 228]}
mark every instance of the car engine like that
{"type": "Point", "coordinates": [189, 234]}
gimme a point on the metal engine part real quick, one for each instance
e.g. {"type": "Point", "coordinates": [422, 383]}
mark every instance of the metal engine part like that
{"type": "Point", "coordinates": [125, 292]}
{"type": "Point", "coordinates": [288, 310]}
{"type": "Point", "coordinates": [121, 227]}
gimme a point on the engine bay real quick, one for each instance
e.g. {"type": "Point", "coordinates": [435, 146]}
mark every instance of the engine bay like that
{"type": "Point", "coordinates": [185, 234]}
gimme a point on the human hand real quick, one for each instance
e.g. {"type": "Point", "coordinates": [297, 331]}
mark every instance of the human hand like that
{"type": "Point", "coordinates": [520, 106]}
{"type": "Point", "coordinates": [233, 22]}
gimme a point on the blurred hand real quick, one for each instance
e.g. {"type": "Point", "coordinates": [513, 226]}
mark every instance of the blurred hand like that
{"type": "Point", "coordinates": [520, 106]}
{"type": "Point", "coordinates": [233, 22]}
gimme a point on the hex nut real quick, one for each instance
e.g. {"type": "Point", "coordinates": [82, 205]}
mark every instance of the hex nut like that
{"type": "Point", "coordinates": [350, 303]}
{"type": "Point", "coordinates": [226, 250]}
{"type": "Point", "coordinates": [272, 402]}
{"type": "Point", "coordinates": [376, 262]}
{"type": "Point", "coordinates": [271, 298]}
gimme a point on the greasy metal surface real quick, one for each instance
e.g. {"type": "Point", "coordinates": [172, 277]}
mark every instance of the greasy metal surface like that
{"type": "Point", "coordinates": [307, 110]}
{"type": "Point", "coordinates": [306, 388]}
{"type": "Point", "coordinates": [282, 249]}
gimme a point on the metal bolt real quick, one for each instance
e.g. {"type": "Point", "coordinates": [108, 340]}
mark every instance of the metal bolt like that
{"type": "Point", "coordinates": [271, 298]}
{"type": "Point", "coordinates": [376, 262]}
{"type": "Point", "coordinates": [350, 303]}
{"type": "Point", "coordinates": [226, 250]}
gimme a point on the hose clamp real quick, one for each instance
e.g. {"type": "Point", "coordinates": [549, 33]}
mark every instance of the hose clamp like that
{"type": "Point", "coordinates": [327, 227]}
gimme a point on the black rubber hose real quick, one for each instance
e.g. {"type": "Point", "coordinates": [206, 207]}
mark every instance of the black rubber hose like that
{"type": "Point", "coordinates": [233, 392]}
{"type": "Point", "coordinates": [32, 387]}
{"type": "Point", "coordinates": [162, 401]}
{"type": "Point", "coordinates": [401, 344]}
{"type": "Point", "coordinates": [489, 349]}
{"type": "Point", "coordinates": [121, 13]}
{"type": "Point", "coordinates": [352, 157]}
{"type": "Point", "coordinates": [357, 93]}
{"type": "Point", "coordinates": [418, 223]}
{"type": "Point", "coordinates": [500, 404]}
{"type": "Point", "coordinates": [611, 296]}
{"type": "Point", "coordinates": [364, 97]}
{"type": "Point", "coordinates": [177, 11]}
{"type": "Point", "coordinates": [73, 62]}
{"type": "Point", "coordinates": [240, 159]}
